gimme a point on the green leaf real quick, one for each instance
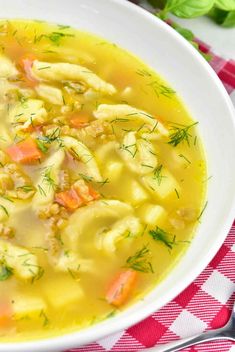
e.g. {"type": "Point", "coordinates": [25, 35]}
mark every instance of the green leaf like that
{"type": "Point", "coordinates": [224, 18]}
{"type": "Point", "coordinates": [5, 272]}
{"type": "Point", "coordinates": [188, 8]}
{"type": "Point", "coordinates": [186, 33]}
{"type": "Point", "coordinates": [227, 5]}
{"type": "Point", "coordinates": [229, 20]}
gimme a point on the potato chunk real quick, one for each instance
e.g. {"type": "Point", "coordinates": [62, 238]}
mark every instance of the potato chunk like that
{"type": "Point", "coordinates": [28, 306]}
{"type": "Point", "coordinates": [62, 292]}
{"type": "Point", "coordinates": [163, 186]}
{"type": "Point", "coordinates": [23, 263]}
{"type": "Point", "coordinates": [152, 214]}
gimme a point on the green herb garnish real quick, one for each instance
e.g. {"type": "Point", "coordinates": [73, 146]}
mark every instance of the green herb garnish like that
{"type": "Point", "coordinates": [140, 261]}
{"type": "Point", "coordinates": [180, 133]}
{"type": "Point", "coordinates": [5, 272]}
{"type": "Point", "coordinates": [163, 236]}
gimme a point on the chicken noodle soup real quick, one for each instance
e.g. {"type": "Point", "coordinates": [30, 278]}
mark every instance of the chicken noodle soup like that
{"type": "Point", "coordinates": [102, 179]}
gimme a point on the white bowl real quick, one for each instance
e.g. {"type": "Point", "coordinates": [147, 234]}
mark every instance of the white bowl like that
{"type": "Point", "coordinates": [182, 66]}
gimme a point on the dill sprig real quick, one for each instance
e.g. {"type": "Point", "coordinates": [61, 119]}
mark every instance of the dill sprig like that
{"type": "Point", "coordinates": [44, 141]}
{"type": "Point", "coordinates": [4, 209]}
{"type": "Point", "coordinates": [47, 178]}
{"type": "Point", "coordinates": [157, 174]}
{"type": "Point", "coordinates": [202, 211]}
{"type": "Point", "coordinates": [26, 188]}
{"type": "Point", "coordinates": [161, 89]}
{"type": "Point", "coordinates": [54, 37]}
{"type": "Point", "coordinates": [140, 261]}
{"type": "Point", "coordinates": [131, 148]}
{"type": "Point", "coordinates": [180, 133]}
{"type": "Point", "coordinates": [163, 236]}
{"type": "Point", "coordinates": [43, 315]}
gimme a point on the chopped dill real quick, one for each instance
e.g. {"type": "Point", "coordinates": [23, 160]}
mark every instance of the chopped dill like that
{"type": "Point", "coordinates": [5, 272]}
{"type": "Point", "coordinates": [63, 27]}
{"type": "Point", "coordinates": [184, 157]}
{"type": "Point", "coordinates": [177, 194]}
{"type": "Point", "coordinates": [207, 179]}
{"type": "Point", "coordinates": [140, 261]}
{"type": "Point", "coordinates": [157, 174]}
{"type": "Point", "coordinates": [120, 119]}
{"type": "Point", "coordinates": [39, 274]}
{"type": "Point", "coordinates": [54, 136]}
{"type": "Point", "coordinates": [104, 182]}
{"type": "Point", "coordinates": [41, 190]}
{"type": "Point", "coordinates": [4, 209]}
{"type": "Point", "coordinates": [56, 37]}
{"type": "Point", "coordinates": [26, 188]}
{"type": "Point", "coordinates": [146, 165]}
{"type": "Point", "coordinates": [143, 73]}
{"type": "Point", "coordinates": [180, 133]}
{"type": "Point", "coordinates": [43, 68]}
{"type": "Point", "coordinates": [43, 315]}
{"type": "Point", "coordinates": [202, 211]}
{"type": "Point", "coordinates": [111, 314]}
{"type": "Point", "coordinates": [7, 198]}
{"type": "Point", "coordinates": [161, 89]}
{"type": "Point", "coordinates": [163, 236]}
{"type": "Point", "coordinates": [86, 178]}
{"type": "Point", "coordinates": [131, 148]}
{"type": "Point", "coordinates": [142, 126]}
{"type": "Point", "coordinates": [47, 178]}
{"type": "Point", "coordinates": [74, 274]}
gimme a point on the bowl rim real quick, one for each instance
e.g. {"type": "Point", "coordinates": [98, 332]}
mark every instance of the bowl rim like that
{"type": "Point", "coordinates": [72, 340]}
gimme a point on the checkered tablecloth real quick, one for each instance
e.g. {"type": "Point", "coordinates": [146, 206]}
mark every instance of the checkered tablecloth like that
{"type": "Point", "coordinates": [205, 304]}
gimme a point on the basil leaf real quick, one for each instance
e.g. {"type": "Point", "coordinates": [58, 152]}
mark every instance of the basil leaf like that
{"type": "Point", "coordinates": [186, 33]}
{"type": "Point", "coordinates": [188, 8]}
{"type": "Point", "coordinates": [227, 5]}
{"type": "Point", "coordinates": [5, 273]}
{"type": "Point", "coordinates": [229, 20]}
{"type": "Point", "coordinates": [224, 18]}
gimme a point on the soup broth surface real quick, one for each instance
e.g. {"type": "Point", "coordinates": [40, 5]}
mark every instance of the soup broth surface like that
{"type": "Point", "coordinates": [102, 179]}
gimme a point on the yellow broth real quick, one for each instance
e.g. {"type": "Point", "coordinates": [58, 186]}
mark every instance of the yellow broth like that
{"type": "Point", "coordinates": [160, 190]}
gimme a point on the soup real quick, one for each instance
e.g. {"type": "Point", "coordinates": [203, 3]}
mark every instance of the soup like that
{"type": "Point", "coordinates": [102, 179]}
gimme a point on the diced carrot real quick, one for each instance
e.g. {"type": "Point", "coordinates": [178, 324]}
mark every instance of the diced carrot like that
{"type": "Point", "coordinates": [121, 288]}
{"type": "Point", "coordinates": [79, 120]}
{"type": "Point", "coordinates": [25, 152]}
{"type": "Point", "coordinates": [6, 314]}
{"type": "Point", "coordinates": [26, 57]}
{"type": "Point", "coordinates": [86, 191]}
{"type": "Point", "coordinates": [69, 199]}
{"type": "Point", "coordinates": [93, 193]}
{"type": "Point", "coordinates": [26, 63]}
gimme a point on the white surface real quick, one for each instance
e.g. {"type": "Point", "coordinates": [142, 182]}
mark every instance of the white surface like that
{"type": "Point", "coordinates": [187, 324]}
{"type": "Point", "coordinates": [222, 40]}
{"type": "Point", "coordinates": [198, 85]}
{"type": "Point", "coordinates": [219, 287]}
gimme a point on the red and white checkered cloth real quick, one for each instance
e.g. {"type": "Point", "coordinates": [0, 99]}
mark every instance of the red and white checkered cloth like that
{"type": "Point", "coordinates": [205, 304]}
